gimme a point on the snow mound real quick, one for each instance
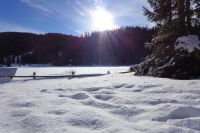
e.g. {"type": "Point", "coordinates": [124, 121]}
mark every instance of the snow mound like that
{"type": "Point", "coordinates": [181, 112]}
{"type": "Point", "coordinates": [188, 43]}
{"type": "Point", "coordinates": [191, 123]}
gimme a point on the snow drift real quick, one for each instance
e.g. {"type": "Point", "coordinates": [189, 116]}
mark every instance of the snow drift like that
{"type": "Point", "coordinates": [113, 103]}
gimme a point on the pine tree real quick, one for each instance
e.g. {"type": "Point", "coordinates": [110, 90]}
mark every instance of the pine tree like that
{"type": "Point", "coordinates": [181, 16]}
{"type": "Point", "coordinates": [162, 11]}
{"type": "Point", "coordinates": [174, 18]}
{"type": "Point", "coordinates": [197, 9]}
{"type": "Point", "coordinates": [163, 14]}
{"type": "Point", "coordinates": [188, 15]}
{"type": "Point", "coordinates": [174, 15]}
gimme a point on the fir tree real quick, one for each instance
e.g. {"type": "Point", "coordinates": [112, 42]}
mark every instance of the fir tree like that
{"type": "Point", "coordinates": [181, 17]}
{"type": "Point", "coordinates": [162, 11]}
{"type": "Point", "coordinates": [197, 9]}
{"type": "Point", "coordinates": [188, 15]}
{"type": "Point", "coordinates": [178, 16]}
{"type": "Point", "coordinates": [173, 18]}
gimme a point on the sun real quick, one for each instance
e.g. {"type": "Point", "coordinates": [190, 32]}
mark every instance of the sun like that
{"type": "Point", "coordinates": [102, 20]}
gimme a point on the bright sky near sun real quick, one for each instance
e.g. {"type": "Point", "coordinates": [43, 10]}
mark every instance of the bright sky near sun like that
{"type": "Point", "coordinates": [102, 20]}
{"type": "Point", "coordinates": [70, 16]}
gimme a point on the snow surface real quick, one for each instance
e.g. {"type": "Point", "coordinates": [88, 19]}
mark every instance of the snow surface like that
{"type": "Point", "coordinates": [188, 43]}
{"type": "Point", "coordinates": [113, 103]}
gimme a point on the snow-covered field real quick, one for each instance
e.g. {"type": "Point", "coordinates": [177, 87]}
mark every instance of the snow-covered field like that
{"type": "Point", "coordinates": [113, 103]}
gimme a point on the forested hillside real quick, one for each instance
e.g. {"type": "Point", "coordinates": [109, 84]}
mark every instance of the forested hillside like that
{"type": "Point", "coordinates": [115, 47]}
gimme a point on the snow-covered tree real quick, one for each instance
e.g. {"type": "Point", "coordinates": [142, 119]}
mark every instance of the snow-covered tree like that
{"type": "Point", "coordinates": [174, 21]}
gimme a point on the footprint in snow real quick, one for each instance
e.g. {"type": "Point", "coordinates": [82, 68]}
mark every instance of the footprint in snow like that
{"type": "Point", "coordinates": [149, 86]}
{"type": "Point", "coordinates": [45, 91]}
{"type": "Point", "coordinates": [129, 86]}
{"type": "Point", "coordinates": [59, 90]}
{"type": "Point", "coordinates": [63, 96]}
{"type": "Point", "coordinates": [93, 89]}
{"type": "Point", "coordinates": [106, 92]}
{"type": "Point", "coordinates": [103, 97]}
{"type": "Point", "coordinates": [57, 112]}
{"type": "Point", "coordinates": [119, 86]}
{"type": "Point", "coordinates": [78, 96]}
{"type": "Point", "coordinates": [138, 90]}
{"type": "Point", "coordinates": [160, 101]}
{"type": "Point", "coordinates": [20, 113]}
{"type": "Point", "coordinates": [23, 105]}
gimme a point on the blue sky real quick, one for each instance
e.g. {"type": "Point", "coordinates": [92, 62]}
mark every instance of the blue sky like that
{"type": "Point", "coordinates": [66, 16]}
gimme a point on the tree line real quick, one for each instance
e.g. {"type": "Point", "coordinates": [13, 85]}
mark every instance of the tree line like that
{"type": "Point", "coordinates": [123, 46]}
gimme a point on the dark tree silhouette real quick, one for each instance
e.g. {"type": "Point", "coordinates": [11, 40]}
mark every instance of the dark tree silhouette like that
{"type": "Point", "coordinates": [122, 46]}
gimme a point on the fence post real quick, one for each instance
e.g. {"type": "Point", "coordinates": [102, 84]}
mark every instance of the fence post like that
{"type": "Point", "coordinates": [108, 72]}
{"type": "Point", "coordinates": [34, 75]}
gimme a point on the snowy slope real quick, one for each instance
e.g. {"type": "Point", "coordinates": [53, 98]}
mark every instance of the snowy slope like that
{"type": "Point", "coordinates": [115, 103]}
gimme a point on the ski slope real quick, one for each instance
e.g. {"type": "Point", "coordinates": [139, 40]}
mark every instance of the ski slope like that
{"type": "Point", "coordinates": [113, 103]}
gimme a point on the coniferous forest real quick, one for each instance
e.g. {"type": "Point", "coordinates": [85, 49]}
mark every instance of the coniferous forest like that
{"type": "Point", "coordinates": [122, 46]}
{"type": "Point", "coordinates": [175, 46]}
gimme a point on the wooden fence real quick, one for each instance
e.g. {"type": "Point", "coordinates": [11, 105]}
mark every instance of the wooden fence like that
{"type": "Point", "coordinates": [59, 76]}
